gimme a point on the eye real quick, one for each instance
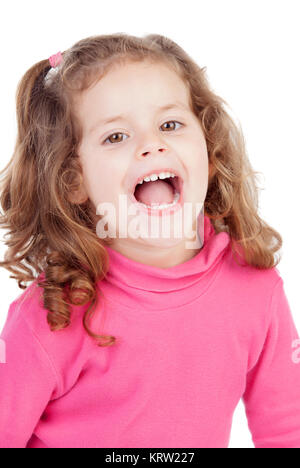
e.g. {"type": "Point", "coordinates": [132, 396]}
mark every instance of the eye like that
{"type": "Point", "coordinates": [172, 121]}
{"type": "Point", "coordinates": [115, 140]}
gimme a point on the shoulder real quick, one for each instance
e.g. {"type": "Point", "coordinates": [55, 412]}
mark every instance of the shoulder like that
{"type": "Point", "coordinates": [61, 346]}
{"type": "Point", "coordinates": [260, 280]}
{"type": "Point", "coordinates": [248, 299]}
{"type": "Point", "coordinates": [250, 289]}
{"type": "Point", "coordinates": [29, 307]}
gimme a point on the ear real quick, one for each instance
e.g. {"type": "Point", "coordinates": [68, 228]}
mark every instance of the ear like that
{"type": "Point", "coordinates": [78, 197]}
{"type": "Point", "coordinates": [212, 170]}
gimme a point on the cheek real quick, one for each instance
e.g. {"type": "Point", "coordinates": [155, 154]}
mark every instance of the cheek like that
{"type": "Point", "coordinates": [197, 156]}
{"type": "Point", "coordinates": [198, 169]}
{"type": "Point", "coordinates": [102, 181]}
{"type": "Point", "coordinates": [93, 176]}
{"type": "Point", "coordinates": [202, 177]}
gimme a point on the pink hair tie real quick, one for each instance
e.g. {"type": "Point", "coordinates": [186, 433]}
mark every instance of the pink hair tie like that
{"type": "Point", "coordinates": [55, 59]}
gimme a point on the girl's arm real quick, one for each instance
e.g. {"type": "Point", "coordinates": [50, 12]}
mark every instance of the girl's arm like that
{"type": "Point", "coordinates": [272, 396]}
{"type": "Point", "coordinates": [27, 381]}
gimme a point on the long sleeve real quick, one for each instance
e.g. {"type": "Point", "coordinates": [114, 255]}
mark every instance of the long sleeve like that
{"type": "Point", "coordinates": [272, 394]}
{"type": "Point", "coordinates": [27, 380]}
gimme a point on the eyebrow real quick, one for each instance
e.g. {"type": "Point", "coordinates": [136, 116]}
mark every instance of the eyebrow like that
{"type": "Point", "coordinates": [177, 105]}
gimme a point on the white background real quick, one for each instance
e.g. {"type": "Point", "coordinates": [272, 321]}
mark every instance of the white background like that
{"type": "Point", "coordinates": [251, 50]}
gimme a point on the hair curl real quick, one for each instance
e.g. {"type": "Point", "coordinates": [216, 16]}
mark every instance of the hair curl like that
{"type": "Point", "coordinates": [57, 237]}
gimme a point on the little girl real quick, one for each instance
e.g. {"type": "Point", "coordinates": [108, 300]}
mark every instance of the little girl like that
{"type": "Point", "coordinates": [125, 339]}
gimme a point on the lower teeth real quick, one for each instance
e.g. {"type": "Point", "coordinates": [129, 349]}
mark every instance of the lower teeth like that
{"type": "Point", "coordinates": [156, 206]}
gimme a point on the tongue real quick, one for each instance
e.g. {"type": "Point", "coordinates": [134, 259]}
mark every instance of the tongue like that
{"type": "Point", "coordinates": [159, 192]}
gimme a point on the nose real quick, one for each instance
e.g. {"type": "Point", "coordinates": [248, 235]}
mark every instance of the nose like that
{"type": "Point", "coordinates": [153, 144]}
{"type": "Point", "coordinates": [161, 150]}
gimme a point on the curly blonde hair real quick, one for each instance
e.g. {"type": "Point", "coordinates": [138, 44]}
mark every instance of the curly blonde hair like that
{"type": "Point", "coordinates": [57, 237]}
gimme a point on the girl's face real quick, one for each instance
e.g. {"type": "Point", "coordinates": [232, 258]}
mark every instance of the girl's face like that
{"type": "Point", "coordinates": [126, 135]}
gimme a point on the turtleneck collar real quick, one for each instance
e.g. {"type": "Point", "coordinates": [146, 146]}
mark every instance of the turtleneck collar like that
{"type": "Point", "coordinates": [133, 278]}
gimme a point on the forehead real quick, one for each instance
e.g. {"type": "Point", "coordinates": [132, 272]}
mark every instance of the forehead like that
{"type": "Point", "coordinates": [129, 84]}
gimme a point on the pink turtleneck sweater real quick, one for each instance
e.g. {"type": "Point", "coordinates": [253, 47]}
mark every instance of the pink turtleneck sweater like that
{"type": "Point", "coordinates": [192, 340]}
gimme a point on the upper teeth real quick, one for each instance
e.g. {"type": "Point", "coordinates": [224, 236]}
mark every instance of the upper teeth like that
{"type": "Point", "coordinates": [161, 175]}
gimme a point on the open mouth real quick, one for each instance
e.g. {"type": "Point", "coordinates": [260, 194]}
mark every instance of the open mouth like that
{"type": "Point", "coordinates": [175, 197]}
